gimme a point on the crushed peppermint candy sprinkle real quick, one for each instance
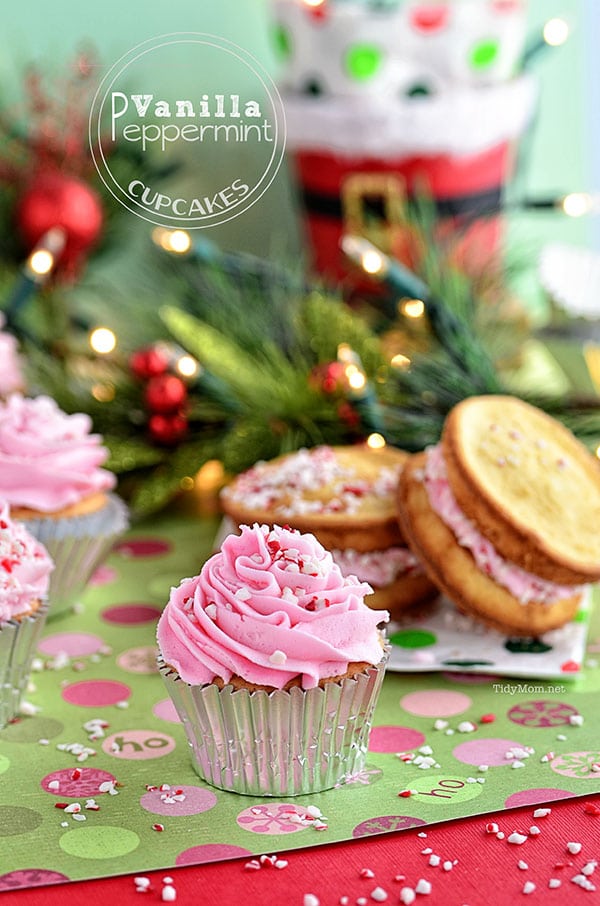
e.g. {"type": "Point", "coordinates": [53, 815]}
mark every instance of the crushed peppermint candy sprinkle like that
{"type": "Point", "coordinates": [278, 657]}
{"type": "Point", "coordinates": [528, 887]}
{"type": "Point", "coordinates": [311, 900]}
{"type": "Point", "coordinates": [516, 838]}
{"type": "Point", "coordinates": [379, 895]}
{"type": "Point", "coordinates": [574, 848]}
{"type": "Point", "coordinates": [541, 812]}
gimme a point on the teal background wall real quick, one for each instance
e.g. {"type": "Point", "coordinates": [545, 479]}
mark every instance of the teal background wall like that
{"type": "Point", "coordinates": [560, 158]}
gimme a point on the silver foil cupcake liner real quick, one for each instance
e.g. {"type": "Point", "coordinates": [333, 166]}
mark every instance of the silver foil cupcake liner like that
{"type": "Point", "coordinates": [279, 743]}
{"type": "Point", "coordinates": [18, 642]}
{"type": "Point", "coordinates": [78, 545]}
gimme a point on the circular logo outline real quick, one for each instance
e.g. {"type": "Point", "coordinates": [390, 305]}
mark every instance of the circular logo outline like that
{"type": "Point", "coordinates": [156, 43]}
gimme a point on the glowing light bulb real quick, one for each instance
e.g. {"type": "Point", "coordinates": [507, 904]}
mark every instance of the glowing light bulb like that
{"type": "Point", "coordinates": [177, 241]}
{"type": "Point", "coordinates": [187, 366]}
{"type": "Point", "coordinates": [103, 340]}
{"type": "Point", "coordinates": [356, 379]}
{"type": "Point", "coordinates": [376, 441]}
{"type": "Point", "coordinates": [577, 204]}
{"type": "Point", "coordinates": [598, 452]}
{"type": "Point", "coordinates": [41, 262]}
{"type": "Point", "coordinates": [400, 361]}
{"type": "Point", "coordinates": [413, 308]}
{"type": "Point", "coordinates": [344, 353]}
{"type": "Point", "coordinates": [556, 32]}
{"type": "Point", "coordinates": [371, 261]}
{"type": "Point", "coordinates": [104, 393]}
{"type": "Point", "coordinates": [313, 3]}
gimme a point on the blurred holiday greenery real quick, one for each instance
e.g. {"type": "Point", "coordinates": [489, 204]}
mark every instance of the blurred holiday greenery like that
{"type": "Point", "coordinates": [233, 358]}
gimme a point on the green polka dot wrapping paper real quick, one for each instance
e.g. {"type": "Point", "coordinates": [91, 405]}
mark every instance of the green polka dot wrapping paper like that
{"type": "Point", "coordinates": [97, 778]}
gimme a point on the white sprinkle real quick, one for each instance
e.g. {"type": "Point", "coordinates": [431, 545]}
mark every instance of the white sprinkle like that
{"type": "Point", "coordinates": [311, 900]}
{"type": "Point", "coordinates": [466, 726]}
{"type": "Point", "coordinates": [74, 807]}
{"type": "Point", "coordinates": [554, 882]}
{"type": "Point", "coordinates": [122, 705]}
{"type": "Point", "coordinates": [379, 895]}
{"type": "Point", "coordinates": [28, 709]}
{"type": "Point", "coordinates": [423, 886]}
{"type": "Point", "coordinates": [589, 868]}
{"type": "Point", "coordinates": [141, 882]}
{"type": "Point", "coordinates": [426, 750]}
{"type": "Point", "coordinates": [64, 823]}
{"type": "Point", "coordinates": [425, 852]}
{"type": "Point", "coordinates": [574, 848]}
{"type": "Point", "coordinates": [517, 838]}
{"type": "Point", "coordinates": [576, 720]}
{"type": "Point", "coordinates": [528, 887]}
{"type": "Point", "coordinates": [280, 863]}
{"type": "Point", "coordinates": [440, 724]}
{"type": "Point", "coordinates": [447, 865]}
{"type": "Point", "coordinates": [211, 611]}
{"type": "Point", "coordinates": [278, 657]}
{"type": "Point", "coordinates": [78, 817]}
{"type": "Point", "coordinates": [483, 767]}
{"type": "Point", "coordinates": [434, 860]}
{"type": "Point", "coordinates": [168, 894]}
{"type": "Point", "coordinates": [541, 812]}
{"type": "Point", "coordinates": [242, 594]}
{"type": "Point", "coordinates": [362, 901]}
{"type": "Point", "coordinates": [518, 764]}
{"type": "Point", "coordinates": [500, 835]}
{"type": "Point", "coordinates": [481, 780]}
{"type": "Point", "coordinates": [534, 830]}
{"type": "Point", "coordinates": [344, 901]}
{"type": "Point", "coordinates": [561, 737]}
{"type": "Point", "coordinates": [54, 785]}
{"type": "Point", "coordinates": [422, 834]}
{"type": "Point", "coordinates": [449, 732]}
{"type": "Point", "coordinates": [407, 896]}
{"type": "Point", "coordinates": [314, 811]}
{"type": "Point", "coordinates": [522, 865]}
{"type": "Point", "coordinates": [582, 881]}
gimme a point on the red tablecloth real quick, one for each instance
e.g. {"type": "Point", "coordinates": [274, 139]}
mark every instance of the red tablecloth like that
{"type": "Point", "coordinates": [486, 873]}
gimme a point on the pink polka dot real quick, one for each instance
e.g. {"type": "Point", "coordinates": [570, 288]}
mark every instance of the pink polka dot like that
{"type": "Point", "coordinates": [165, 710]}
{"type": "Point", "coordinates": [485, 751]}
{"type": "Point", "coordinates": [31, 877]}
{"type": "Point", "coordinates": [536, 797]}
{"type": "Point", "coordinates": [394, 739]}
{"type": "Point", "coordinates": [579, 765]}
{"type": "Point", "coordinates": [542, 713]}
{"type": "Point", "coordinates": [273, 818]}
{"type": "Point", "coordinates": [143, 547]}
{"type": "Point", "coordinates": [95, 693]}
{"type": "Point", "coordinates": [435, 703]}
{"type": "Point", "coordinates": [104, 575]}
{"type": "Point", "coordinates": [138, 660]}
{"type": "Point", "coordinates": [131, 614]}
{"type": "Point", "coordinates": [197, 800]}
{"type": "Point", "coordinates": [75, 644]}
{"type": "Point", "coordinates": [386, 824]}
{"type": "Point", "coordinates": [210, 852]}
{"type": "Point", "coordinates": [86, 785]}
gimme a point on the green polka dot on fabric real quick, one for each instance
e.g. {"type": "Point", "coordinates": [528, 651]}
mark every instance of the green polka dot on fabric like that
{"type": "Point", "coordinates": [363, 61]}
{"type": "Point", "coordinates": [106, 842]}
{"type": "Point", "coordinates": [413, 638]}
{"type": "Point", "coordinates": [282, 41]}
{"type": "Point", "coordinates": [484, 54]}
{"type": "Point", "coordinates": [444, 789]}
{"type": "Point", "coordinates": [16, 819]}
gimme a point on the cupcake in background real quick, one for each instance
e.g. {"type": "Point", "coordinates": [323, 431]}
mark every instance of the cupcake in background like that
{"type": "Point", "coordinates": [274, 663]}
{"type": "Point", "coordinates": [52, 478]}
{"type": "Point", "coordinates": [25, 569]}
{"type": "Point", "coordinates": [11, 372]}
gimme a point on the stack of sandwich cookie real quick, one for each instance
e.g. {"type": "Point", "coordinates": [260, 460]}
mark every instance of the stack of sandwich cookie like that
{"type": "Point", "coordinates": [345, 496]}
{"type": "Point", "coordinates": [503, 515]}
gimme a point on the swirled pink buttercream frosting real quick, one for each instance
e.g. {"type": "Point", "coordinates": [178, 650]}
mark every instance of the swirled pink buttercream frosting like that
{"type": "Point", "coordinates": [11, 375]}
{"type": "Point", "coordinates": [25, 568]}
{"type": "Point", "coordinates": [269, 607]}
{"type": "Point", "coordinates": [524, 586]}
{"type": "Point", "coordinates": [48, 459]}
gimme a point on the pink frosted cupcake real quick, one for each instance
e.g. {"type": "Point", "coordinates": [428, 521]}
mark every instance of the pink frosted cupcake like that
{"type": "Point", "coordinates": [51, 477]}
{"type": "Point", "coordinates": [274, 663]}
{"type": "Point", "coordinates": [24, 577]}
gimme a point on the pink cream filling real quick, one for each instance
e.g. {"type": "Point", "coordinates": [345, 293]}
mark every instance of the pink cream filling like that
{"type": "Point", "coordinates": [524, 586]}
{"type": "Point", "coordinates": [378, 568]}
{"type": "Point", "coordinates": [270, 606]}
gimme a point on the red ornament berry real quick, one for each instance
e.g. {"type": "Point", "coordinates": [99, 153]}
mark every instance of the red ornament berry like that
{"type": "Point", "coordinates": [165, 393]}
{"type": "Point", "coordinates": [168, 429]}
{"type": "Point", "coordinates": [149, 362]}
{"type": "Point", "coordinates": [329, 378]}
{"type": "Point", "coordinates": [53, 199]}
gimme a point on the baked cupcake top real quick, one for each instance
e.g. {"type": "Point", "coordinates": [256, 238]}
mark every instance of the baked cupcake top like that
{"type": "Point", "coordinates": [270, 607]}
{"type": "Point", "coordinates": [25, 568]}
{"type": "Point", "coordinates": [48, 460]}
